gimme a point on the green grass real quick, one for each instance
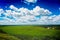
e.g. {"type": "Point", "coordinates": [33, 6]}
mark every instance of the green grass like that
{"type": "Point", "coordinates": [29, 32]}
{"type": "Point", "coordinates": [7, 37]}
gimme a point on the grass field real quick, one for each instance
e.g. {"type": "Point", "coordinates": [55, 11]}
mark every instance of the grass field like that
{"type": "Point", "coordinates": [30, 32]}
{"type": "Point", "coordinates": [7, 37]}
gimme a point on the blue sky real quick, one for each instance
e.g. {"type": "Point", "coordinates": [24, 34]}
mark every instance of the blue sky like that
{"type": "Point", "coordinates": [40, 12]}
{"type": "Point", "coordinates": [52, 5]}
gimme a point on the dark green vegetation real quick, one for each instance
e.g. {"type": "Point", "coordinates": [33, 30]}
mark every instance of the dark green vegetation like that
{"type": "Point", "coordinates": [7, 37]}
{"type": "Point", "coordinates": [29, 32]}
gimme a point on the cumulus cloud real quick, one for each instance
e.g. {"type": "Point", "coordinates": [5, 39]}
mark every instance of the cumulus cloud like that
{"type": "Point", "coordinates": [13, 7]}
{"type": "Point", "coordinates": [31, 1]}
{"type": "Point", "coordinates": [1, 11]}
{"type": "Point", "coordinates": [21, 16]}
{"type": "Point", "coordinates": [49, 20]}
{"type": "Point", "coordinates": [59, 8]}
{"type": "Point", "coordinates": [40, 11]}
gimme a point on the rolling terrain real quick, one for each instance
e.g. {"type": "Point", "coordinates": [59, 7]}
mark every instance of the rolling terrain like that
{"type": "Point", "coordinates": [30, 32]}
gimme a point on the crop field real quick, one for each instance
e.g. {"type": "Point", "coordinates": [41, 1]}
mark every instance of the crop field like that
{"type": "Point", "coordinates": [29, 33]}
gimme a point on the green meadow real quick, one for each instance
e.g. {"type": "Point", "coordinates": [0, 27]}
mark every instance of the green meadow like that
{"type": "Point", "coordinates": [29, 32]}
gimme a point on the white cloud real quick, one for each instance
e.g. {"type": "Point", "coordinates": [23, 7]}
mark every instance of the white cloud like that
{"type": "Point", "coordinates": [1, 11]}
{"type": "Point", "coordinates": [59, 8]}
{"type": "Point", "coordinates": [13, 7]}
{"type": "Point", "coordinates": [31, 1]}
{"type": "Point", "coordinates": [40, 11]}
{"type": "Point", "coordinates": [26, 16]}
{"type": "Point", "coordinates": [56, 18]}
